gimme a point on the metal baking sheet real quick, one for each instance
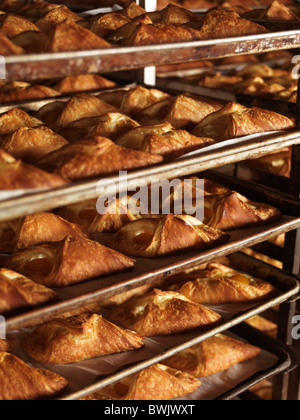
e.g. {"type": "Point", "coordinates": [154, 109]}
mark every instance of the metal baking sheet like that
{"type": "Point", "coordinates": [227, 153]}
{"type": "Point", "coordinates": [52, 65]}
{"type": "Point", "coordinates": [90, 376]}
{"type": "Point", "coordinates": [185, 341]}
{"type": "Point", "coordinates": [148, 271]}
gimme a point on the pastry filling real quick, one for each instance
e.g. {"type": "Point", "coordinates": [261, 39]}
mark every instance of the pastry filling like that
{"type": "Point", "coordinates": [41, 264]}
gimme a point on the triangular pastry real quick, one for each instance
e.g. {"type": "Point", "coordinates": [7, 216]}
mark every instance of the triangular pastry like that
{"type": "Point", "coordinates": [139, 98]}
{"type": "Point", "coordinates": [162, 139]}
{"type": "Point", "coordinates": [235, 120]}
{"type": "Point", "coordinates": [156, 383]}
{"type": "Point", "coordinates": [86, 215]}
{"type": "Point", "coordinates": [70, 37]}
{"type": "Point", "coordinates": [147, 34]}
{"type": "Point", "coordinates": [173, 15]}
{"type": "Point", "coordinates": [34, 230]}
{"type": "Point", "coordinates": [83, 106]}
{"type": "Point", "coordinates": [16, 175]}
{"type": "Point", "coordinates": [182, 112]}
{"type": "Point", "coordinates": [154, 237]}
{"type": "Point", "coordinates": [279, 11]}
{"type": "Point", "coordinates": [213, 355]}
{"type": "Point", "coordinates": [224, 23]}
{"type": "Point", "coordinates": [32, 144]}
{"type": "Point", "coordinates": [56, 16]}
{"type": "Point", "coordinates": [83, 82]}
{"type": "Point", "coordinates": [20, 91]}
{"type": "Point", "coordinates": [16, 118]}
{"type": "Point", "coordinates": [221, 284]}
{"type": "Point", "coordinates": [19, 381]}
{"type": "Point", "coordinates": [7, 47]}
{"type": "Point", "coordinates": [113, 125]}
{"type": "Point", "coordinates": [174, 144]}
{"type": "Point", "coordinates": [132, 11]}
{"type": "Point", "coordinates": [278, 163]}
{"type": "Point", "coordinates": [105, 25]}
{"type": "Point", "coordinates": [263, 324]}
{"type": "Point", "coordinates": [12, 26]}
{"type": "Point", "coordinates": [17, 292]}
{"type": "Point", "coordinates": [161, 313]}
{"type": "Point", "coordinates": [134, 138]}
{"type": "Point", "coordinates": [70, 261]}
{"type": "Point", "coordinates": [93, 157]}
{"type": "Point", "coordinates": [233, 211]}
{"type": "Point", "coordinates": [78, 338]}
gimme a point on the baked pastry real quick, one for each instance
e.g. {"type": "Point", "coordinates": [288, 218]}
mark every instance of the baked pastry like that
{"type": "Point", "coordinates": [278, 163]}
{"type": "Point", "coordinates": [19, 381]}
{"type": "Point", "coordinates": [173, 15]}
{"type": "Point", "coordinates": [161, 313]}
{"type": "Point", "coordinates": [135, 138]}
{"type": "Point", "coordinates": [93, 157]}
{"type": "Point", "coordinates": [162, 140]}
{"type": "Point", "coordinates": [70, 37]}
{"type": "Point", "coordinates": [13, 25]}
{"type": "Point", "coordinates": [213, 355]}
{"type": "Point", "coordinates": [105, 25]}
{"type": "Point", "coordinates": [78, 338]}
{"type": "Point", "coordinates": [182, 112]}
{"type": "Point", "coordinates": [7, 47]}
{"type": "Point", "coordinates": [221, 284]}
{"type": "Point", "coordinates": [112, 126]}
{"type": "Point", "coordinates": [7, 344]}
{"type": "Point", "coordinates": [16, 175]}
{"type": "Point", "coordinates": [20, 91]}
{"type": "Point", "coordinates": [154, 237]}
{"type": "Point", "coordinates": [156, 383]}
{"type": "Point", "coordinates": [135, 34]}
{"type": "Point", "coordinates": [174, 144]}
{"type": "Point", "coordinates": [279, 11]}
{"type": "Point", "coordinates": [137, 99]}
{"type": "Point", "coordinates": [17, 292]}
{"type": "Point", "coordinates": [224, 23]}
{"type": "Point", "coordinates": [132, 11]}
{"type": "Point", "coordinates": [70, 261]}
{"type": "Point", "coordinates": [56, 16]}
{"type": "Point", "coordinates": [263, 324]}
{"type": "Point", "coordinates": [86, 215]}
{"type": "Point", "coordinates": [32, 144]}
{"type": "Point", "coordinates": [34, 230]}
{"type": "Point", "coordinates": [16, 118]}
{"type": "Point", "coordinates": [83, 106]}
{"type": "Point", "coordinates": [83, 82]}
{"type": "Point", "coordinates": [235, 120]}
{"type": "Point", "coordinates": [233, 211]}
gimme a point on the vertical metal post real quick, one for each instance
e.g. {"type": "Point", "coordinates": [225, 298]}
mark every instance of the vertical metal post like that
{"type": "Point", "coordinates": [147, 75]}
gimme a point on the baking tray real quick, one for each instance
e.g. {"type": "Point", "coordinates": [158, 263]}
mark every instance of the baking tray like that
{"type": "Point", "coordinates": [286, 359]}
{"type": "Point", "coordinates": [276, 105]}
{"type": "Point", "coordinates": [226, 153]}
{"type": "Point", "coordinates": [52, 65]}
{"type": "Point", "coordinates": [146, 272]}
{"type": "Point", "coordinates": [184, 341]}
{"type": "Point", "coordinates": [90, 376]}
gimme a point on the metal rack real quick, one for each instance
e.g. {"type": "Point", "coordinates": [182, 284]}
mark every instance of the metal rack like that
{"type": "Point", "coordinates": [38, 66]}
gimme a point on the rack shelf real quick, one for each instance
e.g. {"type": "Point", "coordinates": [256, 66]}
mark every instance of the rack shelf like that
{"type": "Point", "coordinates": [53, 65]}
{"type": "Point", "coordinates": [43, 66]}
